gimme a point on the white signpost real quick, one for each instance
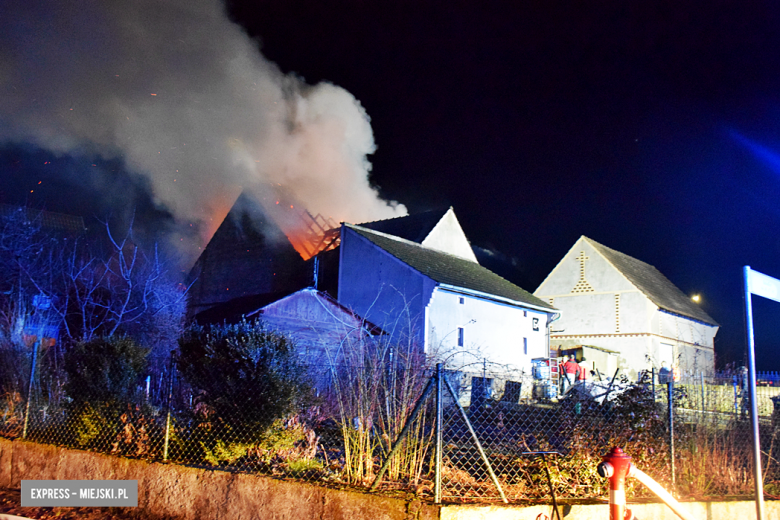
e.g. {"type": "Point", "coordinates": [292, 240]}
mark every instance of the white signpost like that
{"type": "Point", "coordinates": [767, 287]}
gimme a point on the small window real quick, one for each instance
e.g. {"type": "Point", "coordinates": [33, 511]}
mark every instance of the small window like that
{"type": "Point", "coordinates": [536, 323]}
{"type": "Point", "coordinates": [525, 314]}
{"type": "Point", "coordinates": [481, 390]}
{"type": "Point", "coordinates": [460, 336]}
{"type": "Point", "coordinates": [462, 300]}
{"type": "Point", "coordinates": [525, 346]}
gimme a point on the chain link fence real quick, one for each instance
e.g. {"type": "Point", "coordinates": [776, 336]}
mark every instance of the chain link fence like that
{"type": "Point", "coordinates": [540, 442]}
{"type": "Point", "coordinates": [469, 436]}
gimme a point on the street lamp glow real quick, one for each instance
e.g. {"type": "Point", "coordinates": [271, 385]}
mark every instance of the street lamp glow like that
{"type": "Point", "coordinates": [696, 298]}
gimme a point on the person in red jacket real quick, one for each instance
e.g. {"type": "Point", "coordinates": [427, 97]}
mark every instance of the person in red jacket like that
{"type": "Point", "coordinates": [570, 370]}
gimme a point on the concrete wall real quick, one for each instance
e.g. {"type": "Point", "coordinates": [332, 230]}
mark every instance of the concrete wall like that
{"type": "Point", "coordinates": [598, 273]}
{"type": "Point", "coordinates": [183, 493]}
{"type": "Point", "coordinates": [693, 342]}
{"type": "Point", "coordinates": [698, 510]}
{"type": "Point", "coordinates": [180, 492]}
{"type": "Point", "coordinates": [597, 299]}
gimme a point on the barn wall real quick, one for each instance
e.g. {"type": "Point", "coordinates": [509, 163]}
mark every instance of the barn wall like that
{"type": "Point", "coordinates": [382, 289]}
{"type": "Point", "coordinates": [247, 255]}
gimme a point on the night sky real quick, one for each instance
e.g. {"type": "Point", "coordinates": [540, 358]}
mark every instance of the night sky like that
{"type": "Point", "coordinates": [651, 127]}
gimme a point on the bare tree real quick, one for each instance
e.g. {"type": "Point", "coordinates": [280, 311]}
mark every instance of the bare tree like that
{"type": "Point", "coordinates": [75, 288]}
{"type": "Point", "coordinates": [27, 255]}
{"type": "Point", "coordinates": [123, 291]}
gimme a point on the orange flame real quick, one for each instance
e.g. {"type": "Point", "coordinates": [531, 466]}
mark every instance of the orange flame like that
{"type": "Point", "coordinates": [313, 235]}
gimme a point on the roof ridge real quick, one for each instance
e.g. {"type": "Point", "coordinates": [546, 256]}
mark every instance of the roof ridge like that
{"type": "Point", "coordinates": [413, 243]}
{"type": "Point", "coordinates": [664, 297]}
{"type": "Point", "coordinates": [615, 251]}
{"type": "Point", "coordinates": [443, 210]}
{"type": "Point", "coordinates": [463, 266]}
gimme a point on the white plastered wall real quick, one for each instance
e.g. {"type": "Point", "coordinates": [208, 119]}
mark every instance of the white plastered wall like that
{"type": "Point", "coordinates": [493, 332]}
{"type": "Point", "coordinates": [447, 236]}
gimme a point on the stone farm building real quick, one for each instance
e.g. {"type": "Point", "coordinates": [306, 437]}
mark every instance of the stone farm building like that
{"type": "Point", "coordinates": [624, 313]}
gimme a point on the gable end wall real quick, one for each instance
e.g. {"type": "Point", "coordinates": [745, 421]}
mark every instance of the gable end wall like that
{"type": "Point", "coordinates": [382, 289]}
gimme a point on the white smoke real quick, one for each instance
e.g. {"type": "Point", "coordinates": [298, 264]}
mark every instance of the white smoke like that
{"type": "Point", "coordinates": [183, 95]}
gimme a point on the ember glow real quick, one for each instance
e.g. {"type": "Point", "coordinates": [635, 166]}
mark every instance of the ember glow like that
{"type": "Point", "coordinates": [308, 233]}
{"type": "Point", "coordinates": [315, 235]}
{"type": "Point", "coordinates": [136, 87]}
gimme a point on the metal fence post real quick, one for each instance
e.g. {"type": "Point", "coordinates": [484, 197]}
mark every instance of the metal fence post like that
{"type": "Point", "coordinates": [476, 442]}
{"type": "Point", "coordinates": [439, 420]}
{"type": "Point", "coordinates": [402, 435]}
{"type": "Point", "coordinates": [701, 378]}
{"type": "Point", "coordinates": [168, 418]}
{"type": "Point", "coordinates": [670, 398]}
{"type": "Point", "coordinates": [30, 386]}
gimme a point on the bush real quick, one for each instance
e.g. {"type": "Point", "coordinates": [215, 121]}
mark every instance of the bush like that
{"type": "Point", "coordinates": [244, 377]}
{"type": "Point", "coordinates": [287, 446]}
{"type": "Point", "coordinates": [104, 381]}
{"type": "Point", "coordinates": [105, 370]}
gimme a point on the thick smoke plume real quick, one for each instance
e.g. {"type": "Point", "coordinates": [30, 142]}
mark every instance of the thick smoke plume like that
{"type": "Point", "coordinates": [183, 96]}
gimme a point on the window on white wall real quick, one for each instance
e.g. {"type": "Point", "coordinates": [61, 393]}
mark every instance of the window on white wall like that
{"type": "Point", "coordinates": [666, 354]}
{"type": "Point", "coordinates": [525, 346]}
{"type": "Point", "coordinates": [460, 336]}
{"type": "Point", "coordinates": [462, 300]}
{"type": "Point", "coordinates": [535, 323]}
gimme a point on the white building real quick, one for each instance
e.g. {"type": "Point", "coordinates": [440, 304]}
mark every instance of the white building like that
{"type": "Point", "coordinates": [318, 324]}
{"type": "Point", "coordinates": [326, 334]}
{"type": "Point", "coordinates": [414, 280]}
{"type": "Point", "coordinates": [618, 303]}
{"type": "Point", "coordinates": [429, 289]}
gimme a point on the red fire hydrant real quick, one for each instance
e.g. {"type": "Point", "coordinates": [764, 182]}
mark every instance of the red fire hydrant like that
{"type": "Point", "coordinates": [617, 467]}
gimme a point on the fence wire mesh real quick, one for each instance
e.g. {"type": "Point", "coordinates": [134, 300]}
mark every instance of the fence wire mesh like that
{"type": "Point", "coordinates": [534, 437]}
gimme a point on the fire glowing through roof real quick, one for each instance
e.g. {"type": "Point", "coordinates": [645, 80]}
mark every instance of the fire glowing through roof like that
{"type": "Point", "coordinates": [309, 234]}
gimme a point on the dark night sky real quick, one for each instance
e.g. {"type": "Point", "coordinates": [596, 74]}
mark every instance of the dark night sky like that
{"type": "Point", "coordinates": [651, 127]}
{"type": "Point", "coordinates": [542, 122]}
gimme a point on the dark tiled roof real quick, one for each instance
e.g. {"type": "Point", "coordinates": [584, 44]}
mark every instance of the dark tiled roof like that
{"type": "Point", "coordinates": [370, 327]}
{"type": "Point", "coordinates": [232, 311]}
{"type": "Point", "coordinates": [411, 227]}
{"type": "Point", "coordinates": [653, 284]}
{"type": "Point", "coordinates": [48, 219]}
{"type": "Point", "coordinates": [449, 269]}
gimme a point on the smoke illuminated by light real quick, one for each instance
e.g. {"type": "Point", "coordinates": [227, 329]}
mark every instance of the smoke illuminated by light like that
{"type": "Point", "coordinates": [183, 96]}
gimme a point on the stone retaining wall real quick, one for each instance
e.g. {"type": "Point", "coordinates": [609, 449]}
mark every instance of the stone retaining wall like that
{"type": "Point", "coordinates": [185, 493]}
{"type": "Point", "coordinates": [180, 492]}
